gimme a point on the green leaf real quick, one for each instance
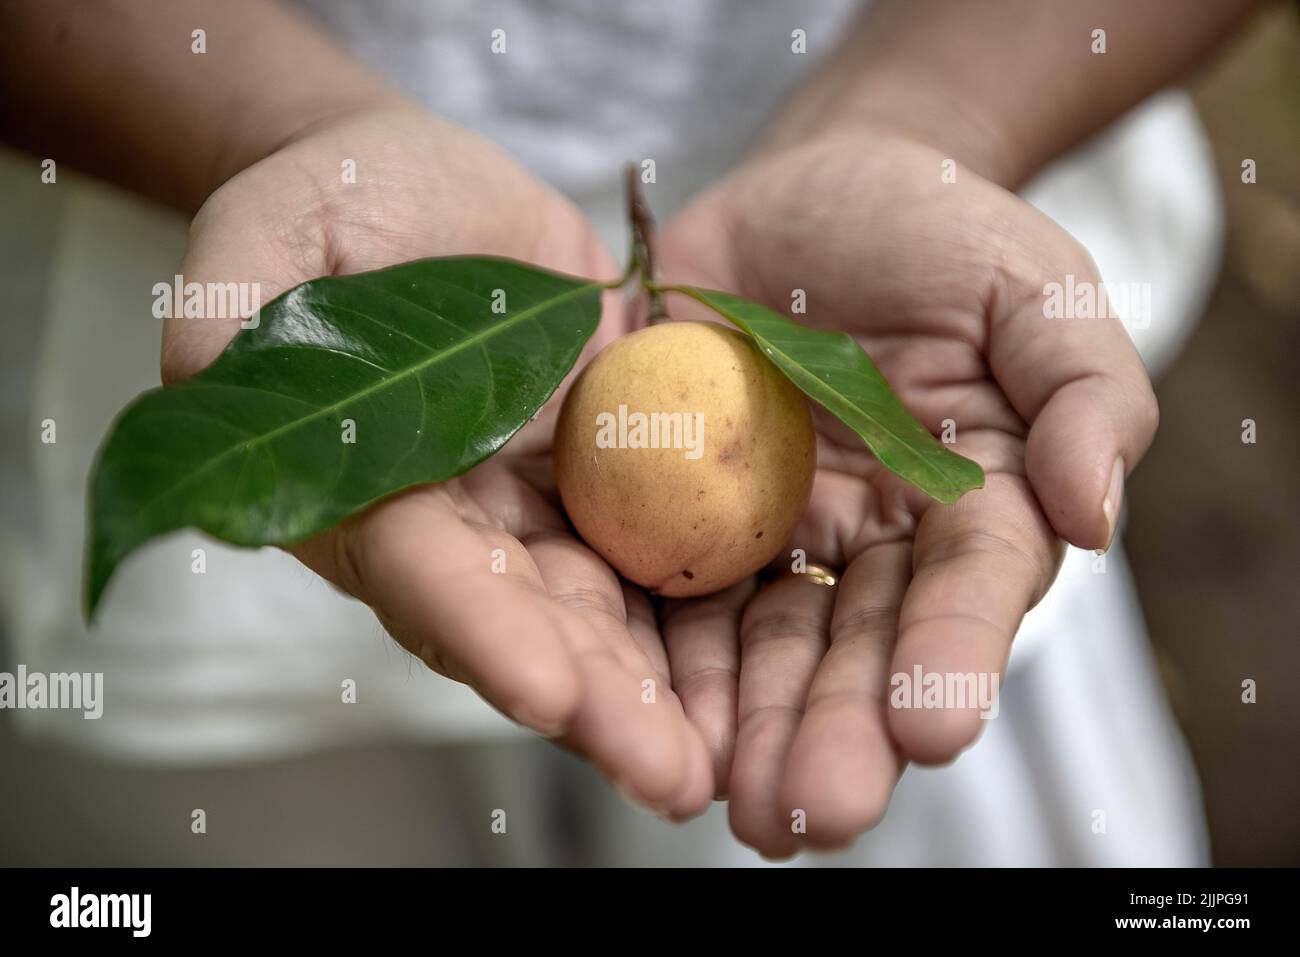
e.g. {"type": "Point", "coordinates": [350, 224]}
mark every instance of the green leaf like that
{"type": "Point", "coordinates": [251, 450]}
{"type": "Point", "coordinates": [832, 369]}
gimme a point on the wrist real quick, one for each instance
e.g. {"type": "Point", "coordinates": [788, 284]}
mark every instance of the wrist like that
{"type": "Point", "coordinates": [910, 107]}
{"type": "Point", "coordinates": [254, 134]}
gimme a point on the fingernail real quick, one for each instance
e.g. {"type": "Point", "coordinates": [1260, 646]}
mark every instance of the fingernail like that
{"type": "Point", "coordinates": [1110, 505]}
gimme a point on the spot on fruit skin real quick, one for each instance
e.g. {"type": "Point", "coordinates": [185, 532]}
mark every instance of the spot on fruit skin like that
{"type": "Point", "coordinates": [688, 574]}
{"type": "Point", "coordinates": [732, 454]}
{"type": "Point", "coordinates": [758, 535]}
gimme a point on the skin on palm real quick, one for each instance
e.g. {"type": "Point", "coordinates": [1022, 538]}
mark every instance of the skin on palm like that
{"type": "Point", "coordinates": [720, 496]}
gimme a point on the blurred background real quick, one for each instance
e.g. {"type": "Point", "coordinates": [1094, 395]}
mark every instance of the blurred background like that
{"type": "Point", "coordinates": [1212, 539]}
{"type": "Point", "coordinates": [1212, 535]}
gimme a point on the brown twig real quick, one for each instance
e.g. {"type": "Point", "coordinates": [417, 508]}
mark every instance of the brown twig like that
{"type": "Point", "coordinates": [643, 234]}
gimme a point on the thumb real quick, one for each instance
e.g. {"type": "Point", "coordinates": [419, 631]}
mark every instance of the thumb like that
{"type": "Point", "coordinates": [229, 244]}
{"type": "Point", "coordinates": [1076, 379]}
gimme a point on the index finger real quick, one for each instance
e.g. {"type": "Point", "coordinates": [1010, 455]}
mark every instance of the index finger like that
{"type": "Point", "coordinates": [978, 566]}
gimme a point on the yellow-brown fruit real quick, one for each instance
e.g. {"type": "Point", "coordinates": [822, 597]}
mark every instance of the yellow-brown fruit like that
{"type": "Point", "coordinates": [722, 499]}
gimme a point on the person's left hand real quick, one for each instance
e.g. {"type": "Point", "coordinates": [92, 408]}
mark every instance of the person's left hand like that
{"type": "Point", "coordinates": [554, 641]}
{"type": "Point", "coordinates": [942, 284]}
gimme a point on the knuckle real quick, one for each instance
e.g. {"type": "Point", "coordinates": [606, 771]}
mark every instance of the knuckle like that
{"type": "Point", "coordinates": [779, 624]}
{"type": "Point", "coordinates": [877, 623]}
{"type": "Point", "coordinates": [591, 599]}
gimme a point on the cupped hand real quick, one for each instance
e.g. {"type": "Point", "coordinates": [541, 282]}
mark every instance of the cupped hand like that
{"type": "Point", "coordinates": [556, 642]}
{"type": "Point", "coordinates": [942, 283]}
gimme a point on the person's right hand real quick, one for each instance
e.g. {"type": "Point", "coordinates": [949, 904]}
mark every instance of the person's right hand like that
{"type": "Point", "coordinates": [943, 285]}
{"type": "Point", "coordinates": [557, 642]}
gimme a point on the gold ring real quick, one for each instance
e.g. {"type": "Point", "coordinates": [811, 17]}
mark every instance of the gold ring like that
{"type": "Point", "coordinates": [817, 574]}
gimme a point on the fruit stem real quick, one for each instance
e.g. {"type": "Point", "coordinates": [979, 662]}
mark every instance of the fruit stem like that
{"type": "Point", "coordinates": [643, 231]}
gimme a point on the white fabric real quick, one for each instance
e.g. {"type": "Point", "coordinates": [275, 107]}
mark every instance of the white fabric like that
{"type": "Point", "coordinates": [247, 660]}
